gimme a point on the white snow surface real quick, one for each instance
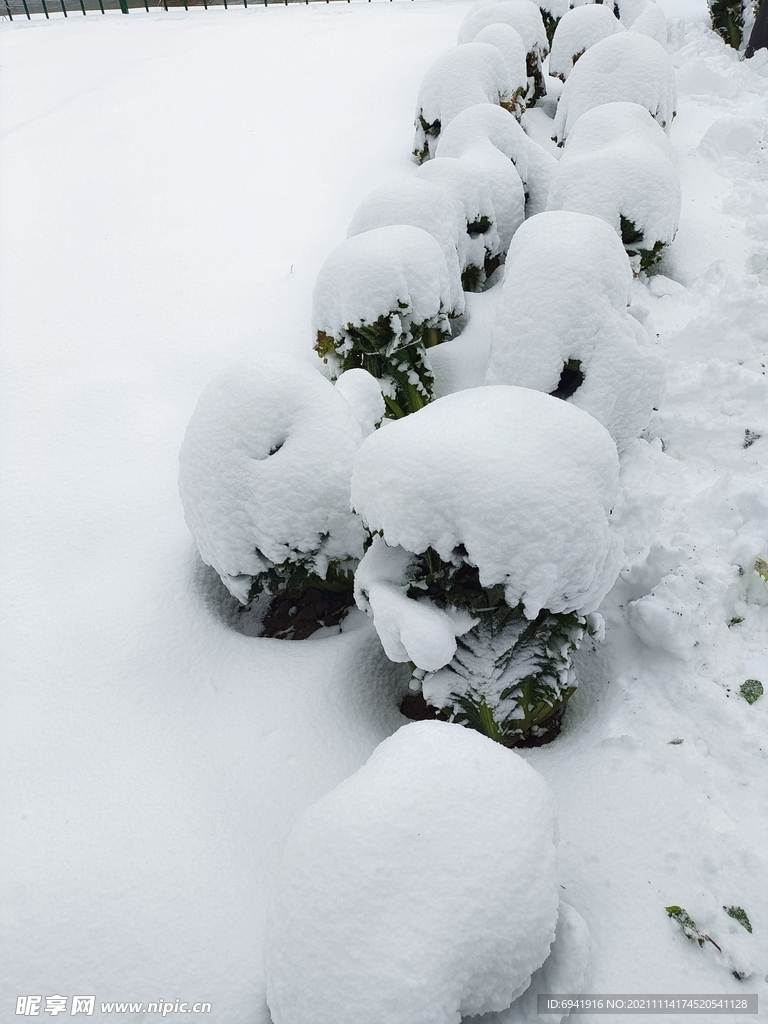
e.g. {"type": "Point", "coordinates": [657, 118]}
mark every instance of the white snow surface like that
{"type": "Point", "coordinates": [154, 756]}
{"type": "Point", "coordinates": [624, 178]}
{"type": "Point", "coordinates": [381, 912]}
{"type": "Point", "coordinates": [627, 67]}
{"type": "Point", "coordinates": [422, 204]}
{"type": "Point", "coordinates": [398, 270]}
{"type": "Point", "coordinates": [652, 22]}
{"type": "Point", "coordinates": [255, 485]}
{"type": "Point", "coordinates": [522, 15]}
{"type": "Point", "coordinates": [511, 46]}
{"type": "Point", "coordinates": [363, 393]}
{"type": "Point", "coordinates": [613, 121]}
{"type": "Point", "coordinates": [518, 453]}
{"type": "Point", "coordinates": [461, 77]}
{"type": "Point", "coordinates": [576, 31]}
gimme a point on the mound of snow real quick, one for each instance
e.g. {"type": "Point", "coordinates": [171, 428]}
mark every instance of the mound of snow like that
{"type": "Point", "coordinates": [257, 488]}
{"type": "Point", "coordinates": [510, 44]}
{"type": "Point", "coordinates": [579, 29]}
{"type": "Point", "coordinates": [633, 186]}
{"type": "Point", "coordinates": [652, 22]}
{"type": "Point", "coordinates": [388, 909]}
{"type": "Point", "coordinates": [627, 67]}
{"type": "Point", "coordinates": [363, 393]}
{"type": "Point", "coordinates": [520, 483]}
{"type": "Point", "coordinates": [484, 123]}
{"type": "Point", "coordinates": [525, 17]}
{"type": "Point", "coordinates": [479, 243]}
{"type": "Point", "coordinates": [465, 75]}
{"type": "Point", "coordinates": [422, 204]}
{"type": "Point", "coordinates": [629, 10]}
{"type": "Point", "coordinates": [613, 121]}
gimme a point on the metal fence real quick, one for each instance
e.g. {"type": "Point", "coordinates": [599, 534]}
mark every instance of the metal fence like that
{"type": "Point", "coordinates": [12, 9]}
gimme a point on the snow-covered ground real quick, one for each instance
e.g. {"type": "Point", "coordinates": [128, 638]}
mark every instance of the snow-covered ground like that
{"type": "Point", "coordinates": [171, 185]}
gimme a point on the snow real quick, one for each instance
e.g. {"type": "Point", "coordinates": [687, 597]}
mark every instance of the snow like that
{"type": "Point", "coordinates": [564, 298]}
{"type": "Point", "coordinates": [256, 488]}
{"type": "Point", "coordinates": [522, 15]}
{"type": "Point", "coordinates": [463, 76]}
{"type": "Point", "coordinates": [397, 271]}
{"type": "Point", "coordinates": [518, 452]}
{"type": "Point", "coordinates": [626, 178]}
{"type": "Point", "coordinates": [652, 22]}
{"type": "Point", "coordinates": [613, 121]}
{"type": "Point", "coordinates": [363, 393]}
{"type": "Point", "coordinates": [422, 204]}
{"type": "Point", "coordinates": [155, 755]}
{"type": "Point", "coordinates": [627, 66]}
{"type": "Point", "coordinates": [388, 908]}
{"type": "Point", "coordinates": [510, 44]}
{"type": "Point", "coordinates": [577, 30]}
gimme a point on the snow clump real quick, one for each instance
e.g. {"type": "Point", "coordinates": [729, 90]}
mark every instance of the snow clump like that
{"type": "Point", "coordinates": [613, 121]}
{"type": "Point", "coordinates": [482, 124]}
{"type": "Point", "coordinates": [492, 507]}
{"type": "Point", "coordinates": [526, 18]}
{"type": "Point", "coordinates": [463, 76]}
{"type": "Point", "coordinates": [387, 909]}
{"type": "Point", "coordinates": [627, 67]}
{"type": "Point", "coordinates": [480, 248]}
{"type": "Point", "coordinates": [381, 298]}
{"type": "Point", "coordinates": [510, 43]}
{"type": "Point", "coordinates": [579, 29]}
{"type": "Point", "coordinates": [261, 497]}
{"type": "Point", "coordinates": [562, 326]}
{"type": "Point", "coordinates": [629, 181]}
{"type": "Point", "coordinates": [422, 204]}
{"type": "Point", "coordinates": [652, 22]}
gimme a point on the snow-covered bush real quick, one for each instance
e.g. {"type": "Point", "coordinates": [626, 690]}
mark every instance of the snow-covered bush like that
{"type": "Point", "coordinates": [463, 76]}
{"type": "Point", "coordinates": [480, 248]}
{"type": "Point", "coordinates": [629, 182]}
{"type": "Point", "coordinates": [381, 299]}
{"type": "Point", "coordinates": [579, 29]}
{"type": "Point", "coordinates": [510, 43]}
{"type": "Point", "coordinates": [476, 126]}
{"type": "Point", "coordinates": [651, 21]}
{"type": "Point", "coordinates": [613, 121]}
{"type": "Point", "coordinates": [551, 13]}
{"type": "Point", "coordinates": [422, 204]}
{"type": "Point", "coordinates": [492, 509]}
{"type": "Point", "coordinates": [268, 505]}
{"type": "Point", "coordinates": [562, 328]}
{"type": "Point", "coordinates": [525, 17]}
{"type": "Point", "coordinates": [627, 66]}
{"type": "Point", "coordinates": [388, 908]}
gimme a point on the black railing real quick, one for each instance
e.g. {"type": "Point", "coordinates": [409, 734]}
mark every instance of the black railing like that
{"type": "Point", "coordinates": [28, 8]}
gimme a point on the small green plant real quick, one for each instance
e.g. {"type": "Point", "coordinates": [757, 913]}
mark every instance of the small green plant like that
{"type": "Point", "coordinates": [689, 927]}
{"type": "Point", "coordinates": [632, 238]}
{"type": "Point", "coordinates": [728, 20]}
{"type": "Point", "coordinates": [735, 621]}
{"type": "Point", "coordinates": [761, 568]}
{"type": "Point", "coordinates": [739, 914]}
{"type": "Point", "coordinates": [751, 690]}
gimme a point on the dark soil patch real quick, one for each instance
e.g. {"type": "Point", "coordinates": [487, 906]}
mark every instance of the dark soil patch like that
{"type": "Point", "coordinates": [297, 614]}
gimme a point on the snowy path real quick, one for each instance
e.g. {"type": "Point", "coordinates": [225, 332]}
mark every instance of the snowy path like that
{"type": "Point", "coordinates": [170, 187]}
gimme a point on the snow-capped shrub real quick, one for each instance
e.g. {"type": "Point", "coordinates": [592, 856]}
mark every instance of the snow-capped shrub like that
{"type": "Point", "coordinates": [389, 908]}
{"type": "Point", "coordinates": [268, 505]}
{"type": "Point", "coordinates": [613, 121]}
{"type": "Point", "coordinates": [627, 67]}
{"type": "Point", "coordinates": [483, 123]}
{"type": "Point", "coordinates": [579, 29]}
{"type": "Point", "coordinates": [381, 299]}
{"type": "Point", "coordinates": [492, 507]}
{"type": "Point", "coordinates": [551, 13]}
{"type": "Point", "coordinates": [631, 184]}
{"type": "Point", "coordinates": [651, 21]}
{"type": "Point", "coordinates": [463, 76]}
{"type": "Point", "coordinates": [510, 43]}
{"type": "Point", "coordinates": [525, 17]}
{"type": "Point", "coordinates": [422, 204]}
{"type": "Point", "coordinates": [562, 326]}
{"type": "Point", "coordinates": [480, 249]}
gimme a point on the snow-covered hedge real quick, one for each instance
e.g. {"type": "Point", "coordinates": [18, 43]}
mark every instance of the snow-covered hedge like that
{"type": "Point", "coordinates": [268, 506]}
{"type": "Point", "coordinates": [562, 328]}
{"type": "Point", "coordinates": [579, 29]}
{"type": "Point", "coordinates": [380, 300]}
{"type": "Point", "coordinates": [479, 243]}
{"type": "Point", "coordinates": [422, 204]}
{"type": "Point", "coordinates": [627, 179]}
{"type": "Point", "coordinates": [463, 76]}
{"type": "Point", "coordinates": [651, 21]}
{"type": "Point", "coordinates": [627, 66]}
{"type": "Point", "coordinates": [551, 13]}
{"type": "Point", "coordinates": [510, 43]}
{"type": "Point", "coordinates": [526, 18]}
{"type": "Point", "coordinates": [492, 505]}
{"type": "Point", "coordinates": [479, 125]}
{"type": "Point", "coordinates": [422, 889]}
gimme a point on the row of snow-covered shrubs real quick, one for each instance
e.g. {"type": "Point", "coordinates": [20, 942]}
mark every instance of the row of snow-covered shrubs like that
{"type": "Point", "coordinates": [462, 546]}
{"type": "Point", "coordinates": [475, 528]}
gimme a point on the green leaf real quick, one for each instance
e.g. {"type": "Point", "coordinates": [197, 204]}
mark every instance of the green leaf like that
{"type": "Point", "coordinates": [739, 914]}
{"type": "Point", "coordinates": [687, 923]}
{"type": "Point", "coordinates": [751, 690]}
